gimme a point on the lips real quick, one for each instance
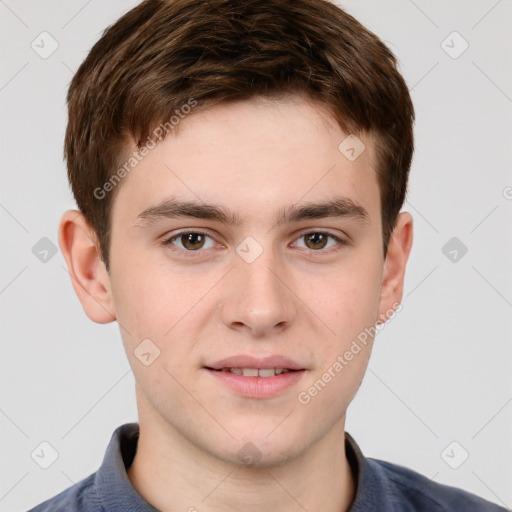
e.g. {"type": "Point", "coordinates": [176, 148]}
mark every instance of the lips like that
{"type": "Point", "coordinates": [256, 383]}
{"type": "Point", "coordinates": [244, 362]}
{"type": "Point", "coordinates": [256, 377]}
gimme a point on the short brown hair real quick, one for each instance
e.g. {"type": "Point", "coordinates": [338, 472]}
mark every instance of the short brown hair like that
{"type": "Point", "coordinates": [163, 53]}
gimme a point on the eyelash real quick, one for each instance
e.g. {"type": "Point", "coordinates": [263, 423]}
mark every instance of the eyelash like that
{"type": "Point", "coordinates": [191, 254]}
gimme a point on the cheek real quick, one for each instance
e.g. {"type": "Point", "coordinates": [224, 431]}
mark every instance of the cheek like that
{"type": "Point", "coordinates": [356, 295]}
{"type": "Point", "coordinates": [350, 309]}
{"type": "Point", "coordinates": [144, 303]}
{"type": "Point", "coordinates": [347, 300]}
{"type": "Point", "coordinates": [148, 312]}
{"type": "Point", "coordinates": [153, 303]}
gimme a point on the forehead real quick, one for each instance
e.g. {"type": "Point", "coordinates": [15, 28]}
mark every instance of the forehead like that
{"type": "Point", "coordinates": [255, 156]}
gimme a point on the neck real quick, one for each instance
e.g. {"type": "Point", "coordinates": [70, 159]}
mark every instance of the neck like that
{"type": "Point", "coordinates": [171, 473]}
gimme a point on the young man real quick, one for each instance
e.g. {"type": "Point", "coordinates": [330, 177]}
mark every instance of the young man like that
{"type": "Point", "coordinates": [240, 166]}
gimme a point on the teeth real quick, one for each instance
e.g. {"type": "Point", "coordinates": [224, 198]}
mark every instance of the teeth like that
{"type": "Point", "coordinates": [254, 372]}
{"type": "Point", "coordinates": [250, 372]}
{"type": "Point", "coordinates": [267, 372]}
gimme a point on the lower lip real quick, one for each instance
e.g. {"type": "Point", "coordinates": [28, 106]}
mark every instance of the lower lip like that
{"type": "Point", "coordinates": [258, 387]}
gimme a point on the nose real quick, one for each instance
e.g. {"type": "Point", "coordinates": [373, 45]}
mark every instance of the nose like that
{"type": "Point", "coordinates": [257, 297]}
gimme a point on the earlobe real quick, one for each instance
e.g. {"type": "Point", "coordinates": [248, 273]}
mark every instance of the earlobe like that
{"type": "Point", "coordinates": [399, 248]}
{"type": "Point", "coordinates": [89, 276]}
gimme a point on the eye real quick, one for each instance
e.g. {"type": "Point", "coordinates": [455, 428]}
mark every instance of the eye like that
{"type": "Point", "coordinates": [190, 241]}
{"type": "Point", "coordinates": [317, 240]}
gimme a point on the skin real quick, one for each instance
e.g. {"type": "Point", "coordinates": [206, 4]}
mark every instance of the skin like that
{"type": "Point", "coordinates": [297, 299]}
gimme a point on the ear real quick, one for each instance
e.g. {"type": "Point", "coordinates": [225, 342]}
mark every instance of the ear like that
{"type": "Point", "coordinates": [88, 273]}
{"type": "Point", "coordinates": [399, 248]}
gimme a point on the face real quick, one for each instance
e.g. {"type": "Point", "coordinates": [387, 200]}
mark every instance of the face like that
{"type": "Point", "coordinates": [282, 270]}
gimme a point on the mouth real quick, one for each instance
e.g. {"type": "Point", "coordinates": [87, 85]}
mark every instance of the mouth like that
{"type": "Point", "coordinates": [248, 365]}
{"type": "Point", "coordinates": [254, 377]}
{"type": "Point", "coordinates": [254, 372]}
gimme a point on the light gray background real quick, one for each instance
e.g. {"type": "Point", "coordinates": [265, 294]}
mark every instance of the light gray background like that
{"type": "Point", "coordinates": [440, 371]}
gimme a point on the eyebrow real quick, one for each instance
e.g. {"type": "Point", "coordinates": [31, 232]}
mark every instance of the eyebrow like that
{"type": "Point", "coordinates": [172, 208]}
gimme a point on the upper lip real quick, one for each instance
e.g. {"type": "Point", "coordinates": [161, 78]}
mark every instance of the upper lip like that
{"type": "Point", "coordinates": [245, 361]}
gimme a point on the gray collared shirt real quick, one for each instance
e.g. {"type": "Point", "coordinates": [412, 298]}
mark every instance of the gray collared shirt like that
{"type": "Point", "coordinates": [381, 486]}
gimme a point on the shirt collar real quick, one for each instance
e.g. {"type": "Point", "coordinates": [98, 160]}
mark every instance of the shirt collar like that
{"type": "Point", "coordinates": [372, 494]}
{"type": "Point", "coordinates": [114, 490]}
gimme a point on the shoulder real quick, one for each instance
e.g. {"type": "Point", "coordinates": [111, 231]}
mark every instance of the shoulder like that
{"type": "Point", "coordinates": [417, 492]}
{"type": "Point", "coordinates": [79, 497]}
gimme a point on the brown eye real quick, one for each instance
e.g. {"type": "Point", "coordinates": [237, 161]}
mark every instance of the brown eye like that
{"type": "Point", "coordinates": [316, 240]}
{"type": "Point", "coordinates": [192, 241]}
{"type": "Point", "coordinates": [320, 241]}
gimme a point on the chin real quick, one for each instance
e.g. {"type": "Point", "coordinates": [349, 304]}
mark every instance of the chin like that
{"type": "Point", "coordinates": [252, 457]}
{"type": "Point", "coordinates": [261, 450]}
